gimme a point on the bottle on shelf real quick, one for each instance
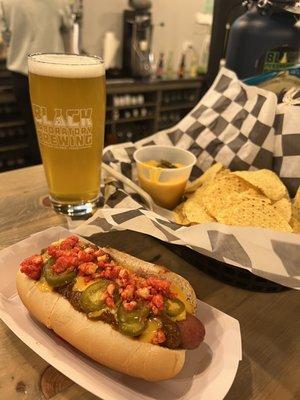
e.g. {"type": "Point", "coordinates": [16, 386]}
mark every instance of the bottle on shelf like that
{"type": "Point", "coordinates": [141, 99]}
{"type": "Point", "coordinates": [181, 70]}
{"type": "Point", "coordinates": [144, 112]}
{"type": "Point", "coordinates": [129, 136]}
{"type": "Point", "coordinates": [116, 115]}
{"type": "Point", "coordinates": [194, 64]}
{"type": "Point", "coordinates": [116, 101]}
{"type": "Point", "coordinates": [120, 137]}
{"type": "Point", "coordinates": [160, 66]}
{"type": "Point", "coordinates": [127, 114]}
{"type": "Point", "coordinates": [128, 100]}
{"type": "Point", "coordinates": [169, 73]}
{"type": "Point", "coordinates": [135, 113]}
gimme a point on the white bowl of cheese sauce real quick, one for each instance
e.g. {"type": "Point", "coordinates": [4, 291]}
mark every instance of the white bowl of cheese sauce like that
{"type": "Point", "coordinates": [163, 172]}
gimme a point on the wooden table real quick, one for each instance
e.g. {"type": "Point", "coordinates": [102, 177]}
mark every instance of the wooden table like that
{"type": "Point", "coordinates": [270, 323]}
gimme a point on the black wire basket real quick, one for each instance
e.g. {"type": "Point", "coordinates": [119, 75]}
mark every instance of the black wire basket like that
{"type": "Point", "coordinates": [226, 273]}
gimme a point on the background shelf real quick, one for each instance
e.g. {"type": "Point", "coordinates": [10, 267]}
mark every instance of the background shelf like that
{"type": "Point", "coordinates": [180, 106]}
{"type": "Point", "coordinates": [163, 101]}
{"type": "Point", "coordinates": [110, 108]}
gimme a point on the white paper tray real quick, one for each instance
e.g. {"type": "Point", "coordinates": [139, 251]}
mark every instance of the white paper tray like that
{"type": "Point", "coordinates": [207, 375]}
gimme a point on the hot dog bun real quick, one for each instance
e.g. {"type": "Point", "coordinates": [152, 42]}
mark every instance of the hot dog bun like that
{"type": "Point", "coordinates": [99, 340]}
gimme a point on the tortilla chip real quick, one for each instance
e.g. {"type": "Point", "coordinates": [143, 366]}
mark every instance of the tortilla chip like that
{"type": "Point", "coordinates": [284, 208]}
{"type": "Point", "coordinates": [195, 211]}
{"type": "Point", "coordinates": [295, 224]}
{"type": "Point", "coordinates": [179, 216]}
{"type": "Point", "coordinates": [295, 212]}
{"type": "Point", "coordinates": [222, 192]}
{"type": "Point", "coordinates": [223, 172]}
{"type": "Point", "coordinates": [255, 212]}
{"type": "Point", "coordinates": [207, 176]}
{"type": "Point", "coordinates": [266, 181]}
{"type": "Point", "coordinates": [297, 199]}
{"type": "Point", "coordinates": [242, 198]}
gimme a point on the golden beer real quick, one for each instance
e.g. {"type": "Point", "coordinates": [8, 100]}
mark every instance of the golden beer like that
{"type": "Point", "coordinates": [68, 103]}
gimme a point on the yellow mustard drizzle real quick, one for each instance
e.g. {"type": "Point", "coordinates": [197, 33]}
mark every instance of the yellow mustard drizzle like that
{"type": "Point", "coordinates": [181, 296]}
{"type": "Point", "coordinates": [43, 285]}
{"type": "Point", "coordinates": [80, 284]}
{"type": "Point", "coordinates": [153, 326]}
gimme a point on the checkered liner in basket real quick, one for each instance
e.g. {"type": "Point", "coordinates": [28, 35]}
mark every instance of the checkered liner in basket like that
{"type": "Point", "coordinates": [234, 124]}
{"type": "Point", "coordinates": [287, 140]}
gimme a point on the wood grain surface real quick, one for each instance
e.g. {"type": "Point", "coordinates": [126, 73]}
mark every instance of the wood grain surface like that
{"type": "Point", "coordinates": [270, 323]}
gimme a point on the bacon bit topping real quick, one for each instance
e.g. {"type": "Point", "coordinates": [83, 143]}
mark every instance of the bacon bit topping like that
{"type": "Point", "coordinates": [88, 278]}
{"type": "Point", "coordinates": [64, 248]}
{"type": "Point", "coordinates": [99, 253]}
{"type": "Point", "coordinates": [87, 268]}
{"type": "Point", "coordinates": [110, 289]}
{"type": "Point", "coordinates": [32, 266]}
{"type": "Point", "coordinates": [160, 285]}
{"type": "Point", "coordinates": [127, 293]}
{"type": "Point", "coordinates": [110, 302]}
{"type": "Point", "coordinates": [144, 293]}
{"type": "Point", "coordinates": [84, 257]}
{"type": "Point", "coordinates": [64, 263]}
{"type": "Point", "coordinates": [155, 310]}
{"type": "Point", "coordinates": [159, 337]}
{"type": "Point", "coordinates": [110, 273]}
{"type": "Point", "coordinates": [102, 259]}
{"type": "Point", "coordinates": [94, 263]}
{"type": "Point", "coordinates": [52, 250]}
{"type": "Point", "coordinates": [124, 274]}
{"type": "Point", "coordinates": [158, 301]}
{"type": "Point", "coordinates": [68, 243]}
{"type": "Point", "coordinates": [88, 250]}
{"type": "Point", "coordinates": [107, 296]}
{"type": "Point", "coordinates": [129, 306]}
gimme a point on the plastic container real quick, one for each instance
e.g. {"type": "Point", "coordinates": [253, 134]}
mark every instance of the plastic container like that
{"type": "Point", "coordinates": [165, 185]}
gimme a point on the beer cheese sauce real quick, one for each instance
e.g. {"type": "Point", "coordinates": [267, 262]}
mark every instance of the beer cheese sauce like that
{"type": "Point", "coordinates": [163, 164]}
{"type": "Point", "coordinates": [165, 194]}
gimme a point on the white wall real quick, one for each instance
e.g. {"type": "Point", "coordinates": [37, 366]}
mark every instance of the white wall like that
{"type": "Point", "coordinates": [178, 16]}
{"type": "Point", "coordinates": [180, 26]}
{"type": "Point", "coordinates": [101, 16]}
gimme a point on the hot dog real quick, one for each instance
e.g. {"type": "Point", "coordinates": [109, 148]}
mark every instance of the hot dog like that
{"type": "Point", "coordinates": [127, 314]}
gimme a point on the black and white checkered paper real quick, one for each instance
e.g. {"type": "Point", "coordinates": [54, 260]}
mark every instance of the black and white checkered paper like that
{"type": "Point", "coordinates": [240, 126]}
{"type": "Point", "coordinates": [287, 140]}
{"type": "Point", "coordinates": [234, 124]}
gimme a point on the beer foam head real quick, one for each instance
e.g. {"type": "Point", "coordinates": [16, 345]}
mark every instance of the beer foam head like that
{"type": "Point", "coordinates": [65, 65]}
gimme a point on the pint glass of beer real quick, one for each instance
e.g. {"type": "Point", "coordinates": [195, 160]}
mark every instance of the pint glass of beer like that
{"type": "Point", "coordinates": [68, 103]}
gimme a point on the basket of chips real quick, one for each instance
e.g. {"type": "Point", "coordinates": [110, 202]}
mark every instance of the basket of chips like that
{"type": "Point", "coordinates": [239, 217]}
